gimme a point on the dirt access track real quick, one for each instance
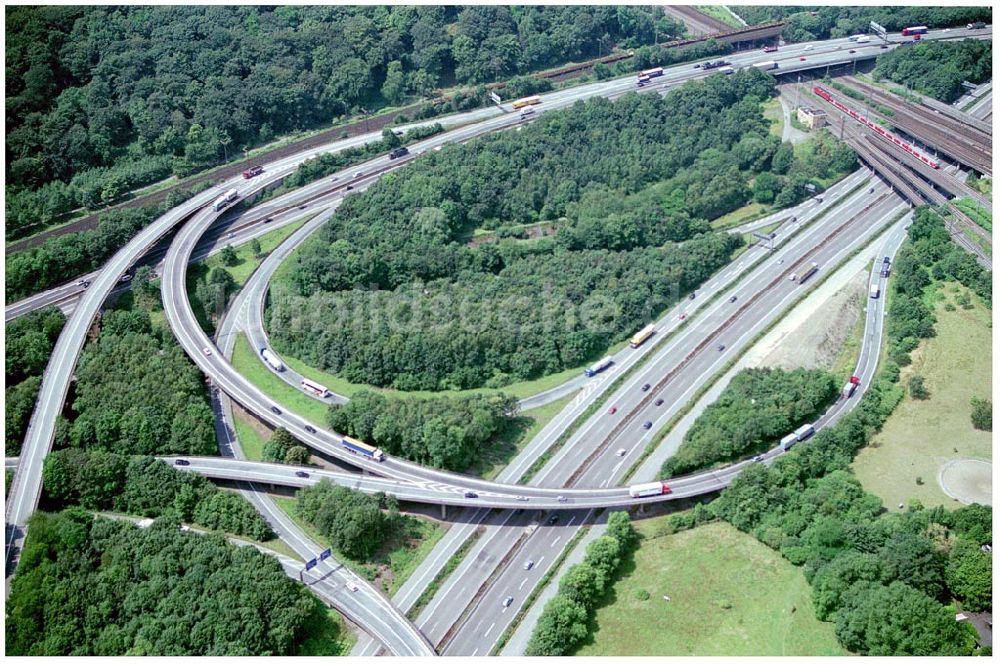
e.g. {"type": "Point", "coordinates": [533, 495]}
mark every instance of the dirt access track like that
{"type": "Point", "coordinates": [968, 481]}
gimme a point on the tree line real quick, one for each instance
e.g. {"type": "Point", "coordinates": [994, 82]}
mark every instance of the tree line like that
{"type": "Point", "coordinates": [938, 68]}
{"type": "Point", "coordinates": [758, 407]}
{"type": "Point", "coordinates": [355, 523]}
{"type": "Point", "coordinates": [442, 432]}
{"type": "Point", "coordinates": [65, 257]}
{"type": "Point", "coordinates": [409, 234]}
{"type": "Point", "coordinates": [810, 23]}
{"type": "Point", "coordinates": [282, 447]}
{"type": "Point", "coordinates": [142, 485]}
{"type": "Point", "coordinates": [330, 162]}
{"type": "Point", "coordinates": [107, 99]}
{"type": "Point", "coordinates": [884, 579]}
{"type": "Point", "coordinates": [100, 587]}
{"type": "Point", "coordinates": [566, 618]}
{"type": "Point", "coordinates": [29, 343]}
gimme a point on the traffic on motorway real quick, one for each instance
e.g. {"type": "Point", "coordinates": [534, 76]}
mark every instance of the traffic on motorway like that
{"type": "Point", "coordinates": [667, 362]}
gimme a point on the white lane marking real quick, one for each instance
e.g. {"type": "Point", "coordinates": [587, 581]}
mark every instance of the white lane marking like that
{"type": "Point", "coordinates": [555, 542]}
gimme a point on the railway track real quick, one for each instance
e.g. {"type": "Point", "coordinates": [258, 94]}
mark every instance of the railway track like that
{"type": "Point", "coordinates": [955, 121]}
{"type": "Point", "coordinates": [882, 157]}
{"type": "Point", "coordinates": [903, 165]}
{"type": "Point", "coordinates": [697, 22]}
{"type": "Point", "coordinates": [960, 236]}
{"type": "Point", "coordinates": [963, 143]}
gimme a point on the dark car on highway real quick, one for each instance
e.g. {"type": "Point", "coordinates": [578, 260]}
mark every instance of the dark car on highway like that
{"type": "Point", "coordinates": [647, 425]}
{"type": "Point", "coordinates": [732, 299]}
{"type": "Point", "coordinates": [658, 402]}
{"type": "Point", "coordinates": [645, 388]}
{"type": "Point", "coordinates": [182, 462]}
{"type": "Point", "coordinates": [310, 429]}
{"type": "Point", "coordinates": [301, 473]}
{"type": "Point", "coordinates": [471, 494]}
{"type": "Point", "coordinates": [275, 410]}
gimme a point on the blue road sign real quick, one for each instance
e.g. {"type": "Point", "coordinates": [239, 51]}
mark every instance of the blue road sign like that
{"type": "Point", "coordinates": [311, 564]}
{"type": "Point", "coordinates": [324, 555]}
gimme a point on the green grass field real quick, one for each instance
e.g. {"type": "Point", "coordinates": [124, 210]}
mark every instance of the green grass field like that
{"type": "Point", "coordinates": [920, 436]}
{"type": "Point", "coordinates": [247, 261]}
{"type": "Point", "coordinates": [250, 439]}
{"type": "Point", "coordinates": [847, 358]}
{"type": "Point", "coordinates": [519, 390]}
{"type": "Point", "coordinates": [729, 596]}
{"type": "Point", "coordinates": [773, 113]}
{"type": "Point", "coordinates": [395, 562]}
{"type": "Point", "coordinates": [974, 211]}
{"type": "Point", "coordinates": [719, 14]}
{"type": "Point", "coordinates": [246, 361]}
{"type": "Point", "coordinates": [742, 215]}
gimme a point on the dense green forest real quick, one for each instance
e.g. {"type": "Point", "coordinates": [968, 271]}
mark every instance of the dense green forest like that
{"type": "Point", "coordinates": [28, 344]}
{"type": "Point", "coordinates": [102, 100]}
{"type": "Point", "coordinates": [809, 23]}
{"type": "Point", "coordinates": [356, 523]}
{"type": "Point", "coordinates": [938, 68]}
{"type": "Point", "coordinates": [566, 618]}
{"type": "Point", "coordinates": [757, 408]}
{"type": "Point", "coordinates": [136, 392]}
{"type": "Point", "coordinates": [443, 432]}
{"type": "Point", "coordinates": [99, 587]}
{"type": "Point", "coordinates": [145, 486]}
{"type": "Point", "coordinates": [885, 579]}
{"type": "Point", "coordinates": [396, 291]}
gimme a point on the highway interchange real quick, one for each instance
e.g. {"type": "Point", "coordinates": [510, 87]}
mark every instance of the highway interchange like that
{"type": "Point", "coordinates": [588, 460]}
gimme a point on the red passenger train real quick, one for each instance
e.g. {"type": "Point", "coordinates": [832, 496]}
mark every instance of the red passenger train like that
{"type": "Point", "coordinates": [879, 129]}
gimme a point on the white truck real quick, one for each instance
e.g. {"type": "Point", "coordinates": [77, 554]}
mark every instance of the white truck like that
{"type": "Point", "coordinates": [272, 360]}
{"type": "Point", "coordinates": [788, 441]}
{"type": "Point", "coordinates": [648, 489]}
{"type": "Point", "coordinates": [804, 432]}
{"type": "Point", "coordinates": [874, 291]}
{"type": "Point", "coordinates": [225, 199]}
{"type": "Point", "coordinates": [598, 367]}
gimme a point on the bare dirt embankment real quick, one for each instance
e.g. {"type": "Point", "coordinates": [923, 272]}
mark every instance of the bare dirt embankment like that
{"type": "Point", "coordinates": [813, 337]}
